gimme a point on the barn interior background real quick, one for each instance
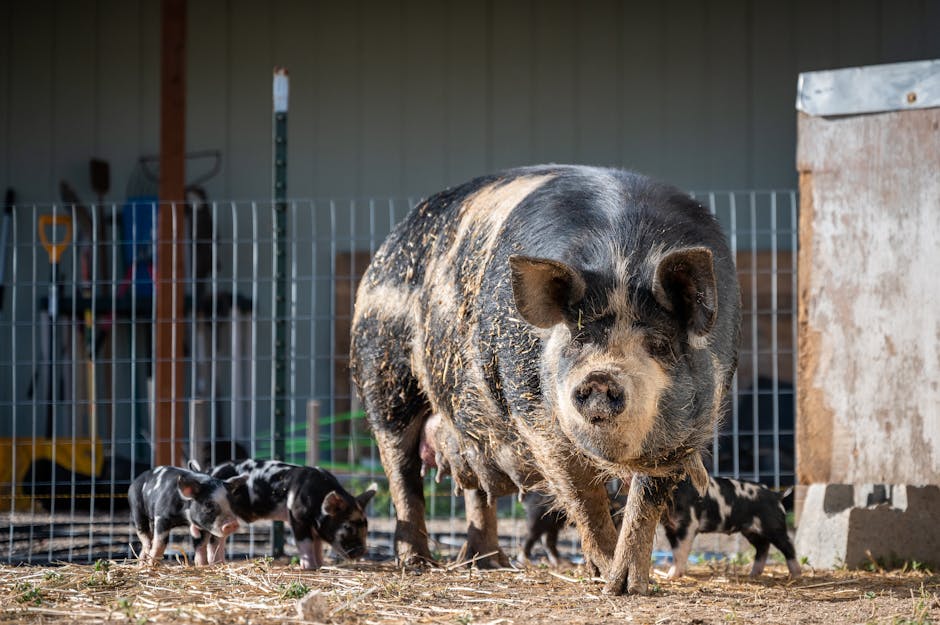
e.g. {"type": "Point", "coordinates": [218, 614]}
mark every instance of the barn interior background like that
{"type": "Point", "coordinates": [389, 101]}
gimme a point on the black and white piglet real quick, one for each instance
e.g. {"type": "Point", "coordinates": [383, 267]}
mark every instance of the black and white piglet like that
{"type": "Point", "coordinates": [542, 522]}
{"type": "Point", "coordinates": [545, 521]}
{"type": "Point", "coordinates": [728, 506]}
{"type": "Point", "coordinates": [311, 500]}
{"type": "Point", "coordinates": [167, 497]}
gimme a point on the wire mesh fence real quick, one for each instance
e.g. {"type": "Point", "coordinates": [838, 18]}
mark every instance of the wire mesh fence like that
{"type": "Point", "coordinates": [79, 348]}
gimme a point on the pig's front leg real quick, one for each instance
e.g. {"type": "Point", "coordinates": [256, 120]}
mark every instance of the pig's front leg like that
{"type": "Point", "coordinates": [598, 534]}
{"type": "Point", "coordinates": [587, 504]}
{"type": "Point", "coordinates": [630, 569]}
{"type": "Point", "coordinates": [482, 536]}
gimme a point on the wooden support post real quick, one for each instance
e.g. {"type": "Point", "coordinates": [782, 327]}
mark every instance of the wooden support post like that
{"type": "Point", "coordinates": [168, 346]}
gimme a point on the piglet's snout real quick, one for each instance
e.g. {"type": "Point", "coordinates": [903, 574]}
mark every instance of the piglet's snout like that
{"type": "Point", "coordinates": [599, 397]}
{"type": "Point", "coordinates": [229, 527]}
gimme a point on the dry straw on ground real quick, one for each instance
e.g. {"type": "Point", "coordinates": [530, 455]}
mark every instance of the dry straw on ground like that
{"type": "Point", "coordinates": [262, 591]}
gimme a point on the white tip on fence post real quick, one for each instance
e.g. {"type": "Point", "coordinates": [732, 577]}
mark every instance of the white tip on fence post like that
{"type": "Point", "coordinates": [281, 89]}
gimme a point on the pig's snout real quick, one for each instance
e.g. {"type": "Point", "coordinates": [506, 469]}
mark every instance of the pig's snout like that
{"type": "Point", "coordinates": [599, 397]}
{"type": "Point", "coordinates": [229, 527]}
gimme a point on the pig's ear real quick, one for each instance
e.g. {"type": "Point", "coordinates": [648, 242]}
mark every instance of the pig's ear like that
{"type": "Point", "coordinates": [194, 466]}
{"type": "Point", "coordinates": [366, 496]}
{"type": "Point", "coordinates": [544, 289]}
{"type": "Point", "coordinates": [188, 486]}
{"type": "Point", "coordinates": [232, 483]}
{"type": "Point", "coordinates": [684, 285]}
{"type": "Point", "coordinates": [333, 503]}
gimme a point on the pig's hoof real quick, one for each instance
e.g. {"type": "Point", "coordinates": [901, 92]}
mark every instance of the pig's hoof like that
{"type": "Point", "coordinates": [633, 589]}
{"type": "Point", "coordinates": [622, 584]}
{"type": "Point", "coordinates": [416, 561]}
{"type": "Point", "coordinates": [498, 560]}
{"type": "Point", "coordinates": [591, 569]}
{"type": "Point", "coordinates": [673, 572]}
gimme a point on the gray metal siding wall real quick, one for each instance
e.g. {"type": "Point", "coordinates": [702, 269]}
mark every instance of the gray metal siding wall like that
{"type": "Point", "coordinates": [402, 98]}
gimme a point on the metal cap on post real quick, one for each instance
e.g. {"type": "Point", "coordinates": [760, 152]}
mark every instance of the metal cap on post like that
{"type": "Point", "coordinates": [281, 286]}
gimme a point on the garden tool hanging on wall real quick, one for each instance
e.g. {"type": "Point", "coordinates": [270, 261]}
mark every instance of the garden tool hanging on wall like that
{"type": "Point", "coordinates": [55, 234]}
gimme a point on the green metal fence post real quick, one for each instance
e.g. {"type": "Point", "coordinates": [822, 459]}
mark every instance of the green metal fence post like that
{"type": "Point", "coordinates": [281, 287]}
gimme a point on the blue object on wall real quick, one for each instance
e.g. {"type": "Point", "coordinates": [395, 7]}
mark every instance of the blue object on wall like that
{"type": "Point", "coordinates": [138, 238]}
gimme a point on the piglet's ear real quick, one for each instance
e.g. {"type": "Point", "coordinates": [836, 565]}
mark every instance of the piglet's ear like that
{"type": "Point", "coordinates": [684, 285]}
{"type": "Point", "coordinates": [234, 482]}
{"type": "Point", "coordinates": [333, 503]}
{"type": "Point", "coordinates": [194, 466]}
{"type": "Point", "coordinates": [367, 496]}
{"type": "Point", "coordinates": [188, 486]}
{"type": "Point", "coordinates": [544, 289]}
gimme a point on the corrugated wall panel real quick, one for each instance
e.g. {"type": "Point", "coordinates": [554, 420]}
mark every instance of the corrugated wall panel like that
{"type": "Point", "coordinates": [249, 71]}
{"type": "Point", "coordinates": [466, 74]}
{"type": "Point", "coordinates": [400, 98]}
{"type": "Point", "coordinates": [510, 109]}
{"type": "Point", "coordinates": [383, 99]}
{"type": "Point", "coordinates": [425, 83]}
{"type": "Point", "coordinates": [726, 99]}
{"type": "Point", "coordinates": [598, 75]}
{"type": "Point", "coordinates": [208, 103]}
{"type": "Point", "coordinates": [120, 91]}
{"type": "Point", "coordinates": [643, 89]}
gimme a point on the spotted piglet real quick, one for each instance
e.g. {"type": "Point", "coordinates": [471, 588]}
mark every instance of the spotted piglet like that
{"type": "Point", "coordinates": [542, 522]}
{"type": "Point", "coordinates": [728, 506]}
{"type": "Point", "coordinates": [168, 497]}
{"type": "Point", "coordinates": [311, 500]}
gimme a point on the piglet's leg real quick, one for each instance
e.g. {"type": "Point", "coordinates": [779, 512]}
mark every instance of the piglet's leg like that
{"type": "Point", "coordinates": [200, 545]}
{"type": "Point", "coordinates": [526, 555]}
{"type": "Point", "coordinates": [631, 565]}
{"type": "Point", "coordinates": [145, 540]}
{"type": "Point", "coordinates": [681, 548]}
{"type": "Point", "coordinates": [482, 537]}
{"type": "Point", "coordinates": [311, 553]}
{"type": "Point", "coordinates": [217, 550]}
{"type": "Point", "coordinates": [781, 540]}
{"type": "Point", "coordinates": [762, 548]}
{"type": "Point", "coordinates": [161, 537]}
{"type": "Point", "coordinates": [550, 540]}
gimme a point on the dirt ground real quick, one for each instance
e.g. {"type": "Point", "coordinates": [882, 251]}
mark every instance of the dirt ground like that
{"type": "Point", "coordinates": [263, 591]}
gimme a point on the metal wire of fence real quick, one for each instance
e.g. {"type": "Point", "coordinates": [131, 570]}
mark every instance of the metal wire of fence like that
{"type": "Point", "coordinates": [77, 356]}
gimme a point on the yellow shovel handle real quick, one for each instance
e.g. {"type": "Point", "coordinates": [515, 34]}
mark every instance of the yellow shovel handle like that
{"type": "Point", "coordinates": [55, 249]}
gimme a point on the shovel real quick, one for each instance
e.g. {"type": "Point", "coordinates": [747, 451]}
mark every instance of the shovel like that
{"type": "Point", "coordinates": [49, 225]}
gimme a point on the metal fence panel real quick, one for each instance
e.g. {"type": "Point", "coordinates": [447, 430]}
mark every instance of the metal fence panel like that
{"type": "Point", "coordinates": [77, 356]}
